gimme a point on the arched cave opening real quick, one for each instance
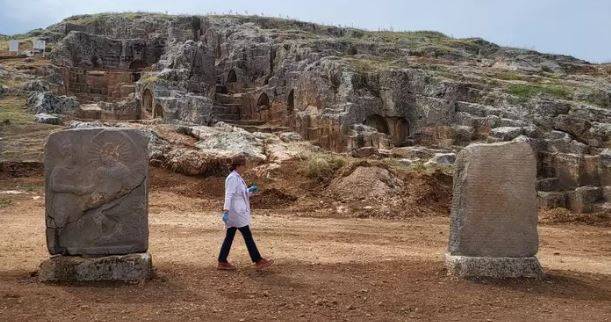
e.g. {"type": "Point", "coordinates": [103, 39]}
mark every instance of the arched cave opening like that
{"type": "Point", "coordinates": [401, 132]}
{"type": "Point", "coordinates": [378, 122]}
{"type": "Point", "coordinates": [263, 101]}
{"type": "Point", "coordinates": [137, 65]}
{"type": "Point", "coordinates": [290, 102]}
{"type": "Point", "coordinates": [147, 102]}
{"type": "Point", "coordinates": [95, 61]}
{"type": "Point", "coordinates": [158, 112]}
{"type": "Point", "coordinates": [232, 77]}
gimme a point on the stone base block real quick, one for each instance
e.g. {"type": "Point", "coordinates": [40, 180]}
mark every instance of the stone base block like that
{"type": "Point", "coordinates": [125, 268]}
{"type": "Point", "coordinates": [496, 267]}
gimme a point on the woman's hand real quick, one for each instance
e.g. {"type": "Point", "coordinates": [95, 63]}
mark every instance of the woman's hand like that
{"type": "Point", "coordinates": [254, 188]}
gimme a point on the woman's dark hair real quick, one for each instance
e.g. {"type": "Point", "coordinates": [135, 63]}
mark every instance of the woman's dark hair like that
{"type": "Point", "coordinates": [236, 162]}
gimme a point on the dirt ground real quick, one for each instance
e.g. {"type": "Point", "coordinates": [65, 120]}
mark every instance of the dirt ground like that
{"type": "Point", "coordinates": [328, 266]}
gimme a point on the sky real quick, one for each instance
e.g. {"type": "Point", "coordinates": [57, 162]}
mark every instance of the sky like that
{"type": "Point", "coordinates": [580, 28]}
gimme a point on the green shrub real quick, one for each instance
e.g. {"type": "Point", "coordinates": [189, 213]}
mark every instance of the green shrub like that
{"type": "Point", "coordinates": [5, 202]}
{"type": "Point", "coordinates": [527, 91]}
{"type": "Point", "coordinates": [322, 167]}
{"type": "Point", "coordinates": [546, 69]}
{"type": "Point", "coordinates": [12, 111]}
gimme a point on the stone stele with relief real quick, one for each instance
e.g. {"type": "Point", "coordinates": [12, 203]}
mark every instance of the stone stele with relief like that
{"type": "Point", "coordinates": [96, 192]}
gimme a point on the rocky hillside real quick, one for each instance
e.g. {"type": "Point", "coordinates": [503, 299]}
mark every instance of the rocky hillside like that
{"type": "Point", "coordinates": [348, 90]}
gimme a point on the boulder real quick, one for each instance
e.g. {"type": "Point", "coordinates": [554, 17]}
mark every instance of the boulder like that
{"type": "Point", "coordinates": [35, 85]}
{"type": "Point", "coordinates": [47, 119]}
{"type": "Point", "coordinates": [568, 168]}
{"type": "Point", "coordinates": [547, 184]}
{"type": "Point", "coordinates": [506, 133]}
{"type": "Point", "coordinates": [185, 107]}
{"type": "Point", "coordinates": [463, 134]}
{"type": "Point", "coordinates": [47, 102]}
{"type": "Point", "coordinates": [290, 136]}
{"type": "Point", "coordinates": [552, 199]}
{"type": "Point", "coordinates": [582, 199]}
{"type": "Point", "coordinates": [415, 152]}
{"type": "Point", "coordinates": [227, 140]}
{"type": "Point", "coordinates": [441, 160]}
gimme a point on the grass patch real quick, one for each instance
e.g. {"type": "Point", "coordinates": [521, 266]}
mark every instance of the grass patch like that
{"type": "Point", "coordinates": [322, 167]}
{"type": "Point", "coordinates": [596, 97]}
{"type": "Point", "coordinates": [399, 166]}
{"type": "Point", "coordinates": [29, 187]}
{"type": "Point", "coordinates": [406, 37]}
{"type": "Point", "coordinates": [103, 16]}
{"type": "Point", "coordinates": [5, 202]}
{"type": "Point", "coordinates": [509, 75]}
{"type": "Point", "coordinates": [525, 92]}
{"type": "Point", "coordinates": [12, 111]}
{"type": "Point", "coordinates": [148, 79]}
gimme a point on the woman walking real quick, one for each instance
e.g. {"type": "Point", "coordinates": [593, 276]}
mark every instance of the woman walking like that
{"type": "Point", "coordinates": [236, 215]}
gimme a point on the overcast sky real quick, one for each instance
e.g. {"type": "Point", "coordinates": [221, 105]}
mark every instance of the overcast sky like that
{"type": "Point", "coordinates": [581, 28]}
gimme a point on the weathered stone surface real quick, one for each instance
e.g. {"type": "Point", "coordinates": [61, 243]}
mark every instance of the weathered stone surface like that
{"type": "Point", "coordinates": [568, 168]}
{"type": "Point", "coordinates": [124, 268]}
{"type": "Point", "coordinates": [604, 167]}
{"type": "Point", "coordinates": [416, 152]}
{"type": "Point", "coordinates": [496, 267]}
{"type": "Point", "coordinates": [494, 208]}
{"type": "Point", "coordinates": [88, 50]}
{"type": "Point", "coordinates": [47, 118]}
{"type": "Point", "coordinates": [89, 111]}
{"type": "Point", "coordinates": [46, 102]}
{"type": "Point", "coordinates": [290, 136]}
{"type": "Point", "coordinates": [122, 110]}
{"type": "Point", "coordinates": [96, 193]}
{"type": "Point", "coordinates": [336, 86]}
{"type": "Point", "coordinates": [441, 159]}
{"type": "Point", "coordinates": [35, 85]}
{"type": "Point", "coordinates": [552, 199]}
{"type": "Point", "coordinates": [547, 184]}
{"type": "Point", "coordinates": [607, 193]}
{"type": "Point", "coordinates": [506, 133]}
{"type": "Point", "coordinates": [188, 108]}
{"type": "Point", "coordinates": [582, 199]}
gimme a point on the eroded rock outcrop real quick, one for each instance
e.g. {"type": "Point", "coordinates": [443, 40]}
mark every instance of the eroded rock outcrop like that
{"type": "Point", "coordinates": [47, 102]}
{"type": "Point", "coordinates": [349, 90]}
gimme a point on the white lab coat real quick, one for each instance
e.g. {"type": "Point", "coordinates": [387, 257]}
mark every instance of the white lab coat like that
{"type": "Point", "coordinates": [237, 201]}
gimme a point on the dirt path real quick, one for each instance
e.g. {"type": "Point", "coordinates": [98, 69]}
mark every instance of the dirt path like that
{"type": "Point", "coordinates": [327, 268]}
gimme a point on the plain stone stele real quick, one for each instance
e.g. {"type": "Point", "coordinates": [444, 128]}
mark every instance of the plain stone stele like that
{"type": "Point", "coordinates": [493, 228]}
{"type": "Point", "coordinates": [96, 205]}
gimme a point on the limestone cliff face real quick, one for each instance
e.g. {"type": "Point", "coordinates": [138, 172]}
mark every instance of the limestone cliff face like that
{"type": "Point", "coordinates": [347, 89]}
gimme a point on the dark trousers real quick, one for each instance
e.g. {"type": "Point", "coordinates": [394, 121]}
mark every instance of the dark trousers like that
{"type": "Point", "coordinates": [250, 244]}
